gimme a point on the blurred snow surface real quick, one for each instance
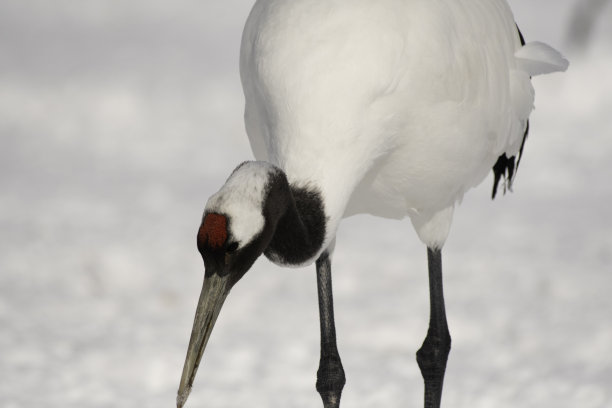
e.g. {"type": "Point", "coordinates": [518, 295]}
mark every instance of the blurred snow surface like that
{"type": "Point", "coordinates": [119, 119]}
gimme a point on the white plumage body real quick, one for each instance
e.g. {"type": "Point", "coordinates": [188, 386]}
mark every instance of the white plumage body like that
{"type": "Point", "coordinates": [390, 107]}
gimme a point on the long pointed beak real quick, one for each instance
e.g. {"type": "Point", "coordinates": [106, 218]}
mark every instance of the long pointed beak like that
{"type": "Point", "coordinates": [213, 295]}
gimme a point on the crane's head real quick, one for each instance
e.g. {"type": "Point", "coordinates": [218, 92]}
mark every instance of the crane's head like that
{"type": "Point", "coordinates": [236, 229]}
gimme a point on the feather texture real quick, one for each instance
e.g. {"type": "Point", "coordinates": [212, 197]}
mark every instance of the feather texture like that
{"type": "Point", "coordinates": [391, 107]}
{"type": "Point", "coordinates": [537, 58]}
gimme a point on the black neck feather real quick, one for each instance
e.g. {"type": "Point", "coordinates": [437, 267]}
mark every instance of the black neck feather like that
{"type": "Point", "coordinates": [299, 219]}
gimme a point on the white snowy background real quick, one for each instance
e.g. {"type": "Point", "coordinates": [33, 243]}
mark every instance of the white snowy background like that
{"type": "Point", "coordinates": [119, 118]}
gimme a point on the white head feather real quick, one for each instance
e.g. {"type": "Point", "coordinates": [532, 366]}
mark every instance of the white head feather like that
{"type": "Point", "coordinates": [241, 199]}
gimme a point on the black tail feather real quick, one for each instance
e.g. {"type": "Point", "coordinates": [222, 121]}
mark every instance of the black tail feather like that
{"type": "Point", "coordinates": [507, 167]}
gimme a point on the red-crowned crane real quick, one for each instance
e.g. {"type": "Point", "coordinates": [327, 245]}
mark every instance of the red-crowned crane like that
{"type": "Point", "coordinates": [393, 108]}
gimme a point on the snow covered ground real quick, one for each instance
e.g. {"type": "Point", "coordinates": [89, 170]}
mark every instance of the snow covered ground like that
{"type": "Point", "coordinates": [119, 119]}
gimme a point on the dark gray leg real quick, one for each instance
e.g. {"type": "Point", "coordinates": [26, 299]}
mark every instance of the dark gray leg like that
{"type": "Point", "coordinates": [330, 376]}
{"type": "Point", "coordinates": [433, 354]}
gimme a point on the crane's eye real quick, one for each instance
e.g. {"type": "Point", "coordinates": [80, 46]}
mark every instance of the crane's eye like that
{"type": "Point", "coordinates": [231, 247]}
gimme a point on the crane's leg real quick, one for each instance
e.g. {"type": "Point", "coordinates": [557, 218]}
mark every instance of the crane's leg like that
{"type": "Point", "coordinates": [330, 376]}
{"type": "Point", "coordinates": [433, 354]}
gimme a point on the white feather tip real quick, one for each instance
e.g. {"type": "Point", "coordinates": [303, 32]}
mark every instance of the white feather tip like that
{"type": "Point", "coordinates": [537, 58]}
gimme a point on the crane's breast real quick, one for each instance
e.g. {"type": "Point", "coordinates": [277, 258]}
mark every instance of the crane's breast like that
{"type": "Point", "coordinates": [311, 71]}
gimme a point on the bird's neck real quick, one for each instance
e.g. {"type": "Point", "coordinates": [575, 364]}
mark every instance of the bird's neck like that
{"type": "Point", "coordinates": [317, 204]}
{"type": "Point", "coordinates": [300, 224]}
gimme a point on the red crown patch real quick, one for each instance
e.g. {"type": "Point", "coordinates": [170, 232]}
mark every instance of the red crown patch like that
{"type": "Point", "coordinates": [213, 232]}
